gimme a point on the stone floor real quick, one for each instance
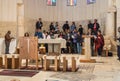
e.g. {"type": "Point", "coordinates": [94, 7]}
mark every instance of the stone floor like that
{"type": "Point", "coordinates": [105, 69]}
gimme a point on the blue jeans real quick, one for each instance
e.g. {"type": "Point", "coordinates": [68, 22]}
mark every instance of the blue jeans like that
{"type": "Point", "coordinates": [79, 48]}
{"type": "Point", "coordinates": [99, 51]}
{"type": "Point", "coordinates": [75, 47]}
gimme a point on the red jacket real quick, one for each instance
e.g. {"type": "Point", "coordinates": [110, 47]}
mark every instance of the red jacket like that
{"type": "Point", "coordinates": [99, 42]}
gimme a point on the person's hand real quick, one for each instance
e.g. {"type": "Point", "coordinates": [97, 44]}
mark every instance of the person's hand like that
{"type": "Point", "coordinates": [95, 37]}
{"type": "Point", "coordinates": [12, 38]}
{"type": "Point", "coordinates": [91, 36]}
{"type": "Point", "coordinates": [98, 37]}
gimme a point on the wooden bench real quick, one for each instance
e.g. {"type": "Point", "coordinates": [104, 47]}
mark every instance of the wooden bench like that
{"type": "Point", "coordinates": [47, 63]}
{"type": "Point", "coordinates": [65, 64]}
{"type": "Point", "coordinates": [11, 62]}
{"type": "Point", "coordinates": [73, 64]}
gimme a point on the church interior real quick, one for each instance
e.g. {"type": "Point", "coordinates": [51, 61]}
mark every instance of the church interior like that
{"type": "Point", "coordinates": [59, 40]}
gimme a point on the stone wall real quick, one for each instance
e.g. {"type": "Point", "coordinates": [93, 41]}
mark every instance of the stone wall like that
{"type": "Point", "coordinates": [5, 26]}
{"type": "Point", "coordinates": [30, 25]}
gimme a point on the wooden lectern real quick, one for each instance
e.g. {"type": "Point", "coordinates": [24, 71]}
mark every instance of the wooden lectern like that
{"type": "Point", "coordinates": [28, 49]}
{"type": "Point", "coordinates": [87, 57]}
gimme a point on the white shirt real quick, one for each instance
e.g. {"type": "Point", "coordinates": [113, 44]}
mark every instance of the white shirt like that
{"type": "Point", "coordinates": [44, 36]}
{"type": "Point", "coordinates": [48, 37]}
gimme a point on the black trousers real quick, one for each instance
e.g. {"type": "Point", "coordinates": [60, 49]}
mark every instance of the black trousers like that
{"type": "Point", "coordinates": [118, 51]}
{"type": "Point", "coordinates": [75, 47]}
{"type": "Point", "coordinates": [100, 51]}
{"type": "Point", "coordinates": [7, 44]}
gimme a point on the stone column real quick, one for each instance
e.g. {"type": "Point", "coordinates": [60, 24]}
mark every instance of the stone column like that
{"type": "Point", "coordinates": [110, 24]}
{"type": "Point", "coordinates": [110, 19]}
{"type": "Point", "coordinates": [20, 18]}
{"type": "Point", "coordinates": [87, 56]}
{"type": "Point", "coordinates": [87, 49]}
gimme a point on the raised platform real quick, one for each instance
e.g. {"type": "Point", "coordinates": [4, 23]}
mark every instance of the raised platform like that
{"type": "Point", "coordinates": [88, 61]}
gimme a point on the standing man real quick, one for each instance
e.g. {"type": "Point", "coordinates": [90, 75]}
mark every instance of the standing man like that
{"type": "Point", "coordinates": [90, 25]}
{"type": "Point", "coordinates": [80, 29]}
{"type": "Point", "coordinates": [39, 24]}
{"type": "Point", "coordinates": [118, 45]}
{"type": "Point", "coordinates": [39, 34]}
{"type": "Point", "coordinates": [65, 27]}
{"type": "Point", "coordinates": [7, 41]}
{"type": "Point", "coordinates": [72, 27]}
{"type": "Point", "coordinates": [96, 26]}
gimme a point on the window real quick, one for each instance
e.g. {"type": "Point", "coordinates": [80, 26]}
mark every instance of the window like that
{"type": "Point", "coordinates": [51, 2]}
{"type": "Point", "coordinates": [71, 2]}
{"type": "Point", "coordinates": [91, 1]}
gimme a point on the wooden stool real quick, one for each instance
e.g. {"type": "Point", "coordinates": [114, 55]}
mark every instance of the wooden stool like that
{"type": "Point", "coordinates": [65, 64]}
{"type": "Point", "coordinates": [73, 64]}
{"type": "Point", "coordinates": [11, 63]}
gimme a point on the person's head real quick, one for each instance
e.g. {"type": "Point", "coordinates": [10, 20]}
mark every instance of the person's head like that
{"type": "Point", "coordinates": [56, 23]}
{"type": "Point", "coordinates": [44, 31]}
{"type": "Point", "coordinates": [80, 26]}
{"type": "Point", "coordinates": [89, 30]}
{"type": "Point", "coordinates": [68, 31]}
{"type": "Point", "coordinates": [95, 20]}
{"type": "Point", "coordinates": [9, 32]}
{"type": "Point", "coordinates": [66, 22]}
{"type": "Point", "coordinates": [51, 23]}
{"type": "Point", "coordinates": [26, 34]}
{"type": "Point", "coordinates": [40, 19]}
{"type": "Point", "coordinates": [99, 32]}
{"type": "Point", "coordinates": [119, 29]}
{"type": "Point", "coordinates": [78, 33]}
{"type": "Point", "coordinates": [89, 21]}
{"type": "Point", "coordinates": [73, 23]}
{"type": "Point", "coordinates": [61, 33]}
{"type": "Point", "coordinates": [75, 30]}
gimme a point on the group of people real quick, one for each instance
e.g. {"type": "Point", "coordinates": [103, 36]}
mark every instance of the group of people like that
{"type": "Point", "coordinates": [74, 37]}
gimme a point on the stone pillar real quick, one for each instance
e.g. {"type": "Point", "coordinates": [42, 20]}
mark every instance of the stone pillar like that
{"type": "Point", "coordinates": [110, 24]}
{"type": "Point", "coordinates": [87, 49]}
{"type": "Point", "coordinates": [87, 56]}
{"type": "Point", "coordinates": [20, 18]}
{"type": "Point", "coordinates": [110, 19]}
